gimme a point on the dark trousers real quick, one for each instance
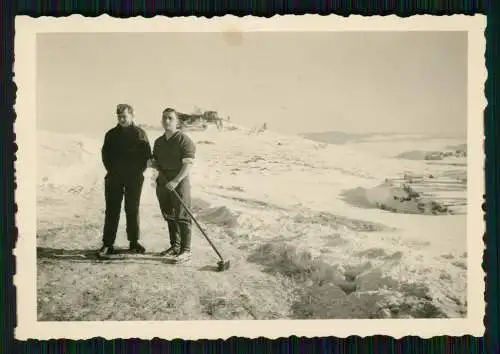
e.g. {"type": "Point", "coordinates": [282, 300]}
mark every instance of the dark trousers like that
{"type": "Point", "coordinates": [115, 188]}
{"type": "Point", "coordinates": [178, 220]}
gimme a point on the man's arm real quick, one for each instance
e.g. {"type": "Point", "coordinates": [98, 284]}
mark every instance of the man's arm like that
{"type": "Point", "coordinates": [153, 162]}
{"type": "Point", "coordinates": [183, 173]}
{"type": "Point", "coordinates": [145, 148]}
{"type": "Point", "coordinates": [106, 152]}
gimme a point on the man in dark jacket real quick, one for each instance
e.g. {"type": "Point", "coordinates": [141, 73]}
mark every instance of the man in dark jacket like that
{"type": "Point", "coordinates": [173, 155]}
{"type": "Point", "coordinates": [125, 154]}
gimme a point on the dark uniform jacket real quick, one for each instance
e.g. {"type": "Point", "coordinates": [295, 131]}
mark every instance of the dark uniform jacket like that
{"type": "Point", "coordinates": [126, 151]}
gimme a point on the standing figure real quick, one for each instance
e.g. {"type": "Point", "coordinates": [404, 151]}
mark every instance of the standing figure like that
{"type": "Point", "coordinates": [125, 154]}
{"type": "Point", "coordinates": [173, 156]}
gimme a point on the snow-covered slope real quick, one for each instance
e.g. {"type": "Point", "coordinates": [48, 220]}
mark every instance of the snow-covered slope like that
{"type": "Point", "coordinates": [325, 199]}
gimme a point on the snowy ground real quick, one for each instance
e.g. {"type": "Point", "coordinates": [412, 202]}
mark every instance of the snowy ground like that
{"type": "Point", "coordinates": [302, 223]}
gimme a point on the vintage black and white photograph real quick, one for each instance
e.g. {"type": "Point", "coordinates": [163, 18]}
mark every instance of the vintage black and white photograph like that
{"type": "Point", "coordinates": [254, 175]}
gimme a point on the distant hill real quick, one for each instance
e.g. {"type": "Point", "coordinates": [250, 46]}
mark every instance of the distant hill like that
{"type": "Point", "coordinates": [151, 127]}
{"type": "Point", "coordinates": [334, 137]}
{"type": "Point", "coordinates": [339, 138]}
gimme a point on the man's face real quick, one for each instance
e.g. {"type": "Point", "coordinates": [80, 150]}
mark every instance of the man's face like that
{"type": "Point", "coordinates": [169, 121]}
{"type": "Point", "coordinates": [125, 118]}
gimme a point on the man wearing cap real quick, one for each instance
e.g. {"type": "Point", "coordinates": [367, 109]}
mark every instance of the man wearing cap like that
{"type": "Point", "coordinates": [125, 155]}
{"type": "Point", "coordinates": [173, 155]}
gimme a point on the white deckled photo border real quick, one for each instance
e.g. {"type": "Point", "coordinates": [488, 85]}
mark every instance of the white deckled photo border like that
{"type": "Point", "coordinates": [25, 278]}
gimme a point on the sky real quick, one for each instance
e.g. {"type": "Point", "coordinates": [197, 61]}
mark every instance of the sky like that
{"type": "Point", "coordinates": [355, 82]}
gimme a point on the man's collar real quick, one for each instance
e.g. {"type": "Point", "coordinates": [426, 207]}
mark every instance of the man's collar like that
{"type": "Point", "coordinates": [132, 124]}
{"type": "Point", "coordinates": [171, 136]}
